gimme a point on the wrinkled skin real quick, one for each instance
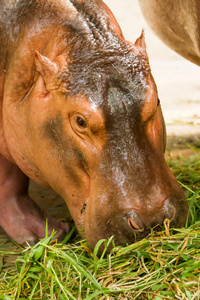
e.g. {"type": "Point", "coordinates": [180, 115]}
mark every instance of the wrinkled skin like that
{"type": "Point", "coordinates": [177, 24]}
{"type": "Point", "coordinates": [80, 113]}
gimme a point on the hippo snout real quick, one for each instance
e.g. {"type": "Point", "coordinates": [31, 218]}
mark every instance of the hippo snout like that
{"type": "Point", "coordinates": [137, 224]}
{"type": "Point", "coordinates": [131, 224]}
{"type": "Point", "coordinates": [142, 222]}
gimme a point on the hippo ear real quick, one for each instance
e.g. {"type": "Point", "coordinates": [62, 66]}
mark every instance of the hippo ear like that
{"type": "Point", "coordinates": [47, 69]}
{"type": "Point", "coordinates": [140, 42]}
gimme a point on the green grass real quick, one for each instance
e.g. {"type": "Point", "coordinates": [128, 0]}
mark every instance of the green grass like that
{"type": "Point", "coordinates": [163, 266]}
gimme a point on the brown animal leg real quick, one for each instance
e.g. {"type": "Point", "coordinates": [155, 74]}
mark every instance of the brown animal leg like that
{"type": "Point", "coordinates": [20, 217]}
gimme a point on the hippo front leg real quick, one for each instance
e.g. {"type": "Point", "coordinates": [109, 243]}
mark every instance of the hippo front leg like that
{"type": "Point", "coordinates": [20, 217]}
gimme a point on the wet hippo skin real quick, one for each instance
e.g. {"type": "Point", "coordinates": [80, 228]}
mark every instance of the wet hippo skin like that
{"type": "Point", "coordinates": [79, 112]}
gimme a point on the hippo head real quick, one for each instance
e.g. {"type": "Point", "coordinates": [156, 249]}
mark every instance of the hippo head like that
{"type": "Point", "coordinates": [100, 134]}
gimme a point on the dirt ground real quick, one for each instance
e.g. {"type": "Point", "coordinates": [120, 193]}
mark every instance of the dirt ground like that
{"type": "Point", "coordinates": [178, 83]}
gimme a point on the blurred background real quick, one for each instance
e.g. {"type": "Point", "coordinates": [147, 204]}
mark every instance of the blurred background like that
{"type": "Point", "coordinates": [178, 80]}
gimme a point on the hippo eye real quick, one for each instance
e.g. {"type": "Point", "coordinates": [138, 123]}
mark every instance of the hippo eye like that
{"type": "Point", "coordinates": [81, 122]}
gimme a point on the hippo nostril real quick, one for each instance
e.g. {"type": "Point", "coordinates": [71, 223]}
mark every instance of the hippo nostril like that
{"type": "Point", "coordinates": [169, 209]}
{"type": "Point", "coordinates": [133, 225]}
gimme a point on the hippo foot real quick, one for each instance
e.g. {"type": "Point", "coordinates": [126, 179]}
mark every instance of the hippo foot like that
{"type": "Point", "coordinates": [24, 221]}
{"type": "Point", "coordinates": [20, 217]}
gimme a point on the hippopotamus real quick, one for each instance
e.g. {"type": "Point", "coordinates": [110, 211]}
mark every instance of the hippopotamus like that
{"type": "Point", "coordinates": [177, 24]}
{"type": "Point", "coordinates": [80, 114]}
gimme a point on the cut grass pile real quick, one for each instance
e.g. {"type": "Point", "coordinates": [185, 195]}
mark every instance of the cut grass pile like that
{"type": "Point", "coordinates": [163, 266]}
